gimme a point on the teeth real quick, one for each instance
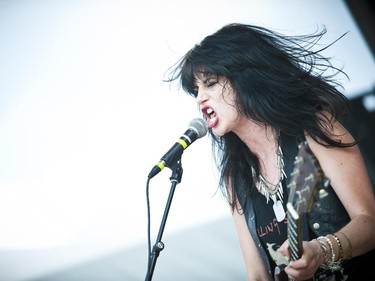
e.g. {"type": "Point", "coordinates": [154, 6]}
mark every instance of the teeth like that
{"type": "Point", "coordinates": [209, 111]}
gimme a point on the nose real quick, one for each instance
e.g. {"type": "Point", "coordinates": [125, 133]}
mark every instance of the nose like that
{"type": "Point", "coordinates": [201, 97]}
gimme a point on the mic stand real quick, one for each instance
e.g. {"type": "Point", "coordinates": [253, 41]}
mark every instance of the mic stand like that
{"type": "Point", "coordinates": [159, 245]}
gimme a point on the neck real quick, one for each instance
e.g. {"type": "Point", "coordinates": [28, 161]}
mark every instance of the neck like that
{"type": "Point", "coordinates": [263, 141]}
{"type": "Point", "coordinates": [260, 139]}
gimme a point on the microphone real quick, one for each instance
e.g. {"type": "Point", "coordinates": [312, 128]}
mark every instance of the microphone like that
{"type": "Point", "coordinates": [197, 129]}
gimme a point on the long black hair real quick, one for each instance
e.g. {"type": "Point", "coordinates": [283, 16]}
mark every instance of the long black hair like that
{"type": "Point", "coordinates": [279, 81]}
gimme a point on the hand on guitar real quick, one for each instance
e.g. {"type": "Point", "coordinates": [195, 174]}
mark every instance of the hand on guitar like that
{"type": "Point", "coordinates": [305, 267]}
{"type": "Point", "coordinates": [305, 257]}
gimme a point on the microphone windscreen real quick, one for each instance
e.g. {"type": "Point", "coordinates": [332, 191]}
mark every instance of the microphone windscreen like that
{"type": "Point", "coordinates": [200, 126]}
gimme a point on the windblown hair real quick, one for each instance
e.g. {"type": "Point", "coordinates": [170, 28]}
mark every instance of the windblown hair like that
{"type": "Point", "coordinates": [279, 81]}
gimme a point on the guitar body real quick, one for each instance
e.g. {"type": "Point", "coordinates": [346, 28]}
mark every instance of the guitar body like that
{"type": "Point", "coordinates": [306, 179]}
{"type": "Point", "coordinates": [280, 274]}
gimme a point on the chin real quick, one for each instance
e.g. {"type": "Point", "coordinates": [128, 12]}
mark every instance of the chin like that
{"type": "Point", "coordinates": [217, 133]}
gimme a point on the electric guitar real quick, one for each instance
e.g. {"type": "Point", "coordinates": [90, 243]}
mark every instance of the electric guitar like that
{"type": "Point", "coordinates": [307, 179]}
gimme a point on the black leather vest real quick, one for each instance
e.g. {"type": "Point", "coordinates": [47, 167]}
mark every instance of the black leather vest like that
{"type": "Point", "coordinates": [327, 214]}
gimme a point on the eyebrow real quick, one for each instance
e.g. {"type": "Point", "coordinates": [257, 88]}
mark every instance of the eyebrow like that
{"type": "Point", "coordinates": [210, 77]}
{"type": "Point", "coordinates": [204, 78]}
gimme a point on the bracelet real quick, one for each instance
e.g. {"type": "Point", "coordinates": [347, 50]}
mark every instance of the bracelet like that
{"type": "Point", "coordinates": [324, 250]}
{"type": "Point", "coordinates": [333, 256]}
{"type": "Point", "coordinates": [341, 251]}
{"type": "Point", "coordinates": [350, 244]}
{"type": "Point", "coordinates": [331, 263]}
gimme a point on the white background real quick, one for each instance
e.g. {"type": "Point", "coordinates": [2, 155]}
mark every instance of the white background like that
{"type": "Point", "coordinates": [84, 116]}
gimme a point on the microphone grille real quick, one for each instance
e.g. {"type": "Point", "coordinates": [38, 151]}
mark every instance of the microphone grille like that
{"type": "Point", "coordinates": [200, 126]}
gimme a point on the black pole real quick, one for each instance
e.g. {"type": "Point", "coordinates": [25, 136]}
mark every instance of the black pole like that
{"type": "Point", "coordinates": [159, 245]}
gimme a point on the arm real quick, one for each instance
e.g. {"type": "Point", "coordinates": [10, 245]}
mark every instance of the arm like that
{"type": "Point", "coordinates": [254, 265]}
{"type": "Point", "coordinates": [348, 176]}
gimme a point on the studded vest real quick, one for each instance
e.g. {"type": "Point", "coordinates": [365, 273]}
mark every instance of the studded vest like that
{"type": "Point", "coordinates": [327, 215]}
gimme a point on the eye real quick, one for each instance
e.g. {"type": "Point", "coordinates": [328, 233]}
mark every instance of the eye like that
{"type": "Point", "coordinates": [195, 91]}
{"type": "Point", "coordinates": [211, 82]}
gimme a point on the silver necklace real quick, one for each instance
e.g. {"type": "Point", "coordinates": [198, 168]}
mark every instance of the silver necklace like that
{"type": "Point", "coordinates": [276, 191]}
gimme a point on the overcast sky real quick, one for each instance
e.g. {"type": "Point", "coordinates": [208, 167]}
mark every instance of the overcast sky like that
{"type": "Point", "coordinates": [84, 114]}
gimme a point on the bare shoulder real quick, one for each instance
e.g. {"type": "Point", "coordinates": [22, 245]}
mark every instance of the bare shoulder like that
{"type": "Point", "coordinates": [345, 168]}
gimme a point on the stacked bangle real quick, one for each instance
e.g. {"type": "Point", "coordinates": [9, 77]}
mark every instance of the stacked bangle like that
{"type": "Point", "coordinates": [349, 243]}
{"type": "Point", "coordinates": [330, 259]}
{"type": "Point", "coordinates": [341, 251]}
{"type": "Point", "coordinates": [322, 245]}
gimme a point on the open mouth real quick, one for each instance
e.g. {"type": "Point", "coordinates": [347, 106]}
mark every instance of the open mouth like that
{"type": "Point", "coordinates": [210, 115]}
{"type": "Point", "coordinates": [208, 112]}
